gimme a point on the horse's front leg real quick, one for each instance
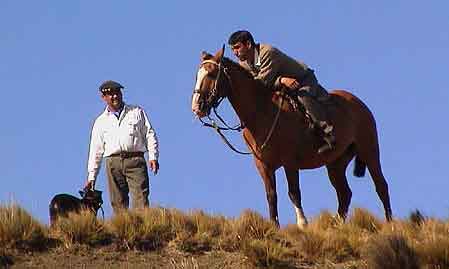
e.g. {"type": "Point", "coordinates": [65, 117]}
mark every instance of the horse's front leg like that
{"type": "Point", "coordinates": [269, 180]}
{"type": "Point", "coordinates": [294, 192]}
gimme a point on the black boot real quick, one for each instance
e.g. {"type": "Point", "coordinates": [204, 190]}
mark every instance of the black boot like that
{"type": "Point", "coordinates": [320, 121]}
{"type": "Point", "coordinates": [328, 137]}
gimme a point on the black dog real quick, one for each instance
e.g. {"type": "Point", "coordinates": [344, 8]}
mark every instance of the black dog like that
{"type": "Point", "coordinates": [62, 204]}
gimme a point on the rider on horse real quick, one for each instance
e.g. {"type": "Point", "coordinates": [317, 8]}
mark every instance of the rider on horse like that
{"type": "Point", "coordinates": [276, 70]}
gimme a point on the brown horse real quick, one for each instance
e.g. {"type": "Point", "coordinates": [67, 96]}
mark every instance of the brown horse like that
{"type": "Point", "coordinates": [292, 144]}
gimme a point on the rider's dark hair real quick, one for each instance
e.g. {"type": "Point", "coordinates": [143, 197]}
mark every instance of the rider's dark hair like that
{"type": "Point", "coordinates": [241, 36]}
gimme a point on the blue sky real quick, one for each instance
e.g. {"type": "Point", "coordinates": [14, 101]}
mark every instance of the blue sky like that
{"type": "Point", "coordinates": [394, 55]}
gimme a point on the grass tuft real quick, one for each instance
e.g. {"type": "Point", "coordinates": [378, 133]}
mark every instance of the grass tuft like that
{"type": "Point", "coordinates": [197, 243]}
{"type": "Point", "coordinates": [390, 252]}
{"type": "Point", "coordinates": [146, 229]}
{"type": "Point", "coordinates": [18, 229]}
{"type": "Point", "coordinates": [126, 227]}
{"type": "Point", "coordinates": [251, 225]}
{"type": "Point", "coordinates": [206, 233]}
{"type": "Point", "coordinates": [325, 221]}
{"type": "Point", "coordinates": [81, 228]}
{"type": "Point", "coordinates": [364, 220]}
{"type": "Point", "coordinates": [417, 218]}
{"type": "Point", "coordinates": [266, 253]}
{"type": "Point", "coordinates": [433, 247]}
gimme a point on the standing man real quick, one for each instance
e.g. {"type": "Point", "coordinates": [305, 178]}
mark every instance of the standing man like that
{"type": "Point", "coordinates": [276, 70]}
{"type": "Point", "coordinates": [122, 134]}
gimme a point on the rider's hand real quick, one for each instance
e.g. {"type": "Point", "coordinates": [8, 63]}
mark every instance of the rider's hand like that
{"type": "Point", "coordinates": [290, 83]}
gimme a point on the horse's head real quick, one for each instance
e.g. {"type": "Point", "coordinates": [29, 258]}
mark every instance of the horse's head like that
{"type": "Point", "coordinates": [209, 89]}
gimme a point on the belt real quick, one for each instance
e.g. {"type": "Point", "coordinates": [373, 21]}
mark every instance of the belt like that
{"type": "Point", "coordinates": [126, 154]}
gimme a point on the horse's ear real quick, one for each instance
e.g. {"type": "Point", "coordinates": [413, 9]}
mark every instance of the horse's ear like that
{"type": "Point", "coordinates": [205, 56]}
{"type": "Point", "coordinates": [219, 55]}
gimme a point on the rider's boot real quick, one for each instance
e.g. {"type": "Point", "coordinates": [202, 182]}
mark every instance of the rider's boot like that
{"type": "Point", "coordinates": [328, 137]}
{"type": "Point", "coordinates": [319, 118]}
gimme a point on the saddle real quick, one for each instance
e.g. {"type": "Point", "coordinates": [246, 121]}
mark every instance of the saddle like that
{"type": "Point", "coordinates": [289, 101]}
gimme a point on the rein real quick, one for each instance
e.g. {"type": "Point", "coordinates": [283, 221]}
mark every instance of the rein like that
{"type": "Point", "coordinates": [223, 137]}
{"type": "Point", "coordinates": [239, 127]}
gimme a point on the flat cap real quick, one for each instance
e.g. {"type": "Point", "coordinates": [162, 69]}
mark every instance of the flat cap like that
{"type": "Point", "coordinates": [110, 84]}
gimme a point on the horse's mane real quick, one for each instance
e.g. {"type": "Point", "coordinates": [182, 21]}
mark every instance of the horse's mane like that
{"type": "Point", "coordinates": [235, 66]}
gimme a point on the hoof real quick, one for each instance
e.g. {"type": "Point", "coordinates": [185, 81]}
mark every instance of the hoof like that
{"type": "Point", "coordinates": [302, 223]}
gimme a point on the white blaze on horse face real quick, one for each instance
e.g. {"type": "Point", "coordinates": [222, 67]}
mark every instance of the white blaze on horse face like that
{"type": "Point", "coordinates": [202, 73]}
{"type": "Point", "coordinates": [195, 103]}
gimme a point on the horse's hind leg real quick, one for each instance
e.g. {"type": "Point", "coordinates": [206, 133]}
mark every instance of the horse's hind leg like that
{"type": "Point", "coordinates": [368, 153]}
{"type": "Point", "coordinates": [294, 193]}
{"type": "Point", "coordinates": [375, 171]}
{"type": "Point", "coordinates": [337, 176]}
{"type": "Point", "coordinates": [269, 180]}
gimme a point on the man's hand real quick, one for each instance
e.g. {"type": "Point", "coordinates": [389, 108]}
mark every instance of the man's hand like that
{"type": "Point", "coordinates": [154, 166]}
{"type": "Point", "coordinates": [90, 185]}
{"type": "Point", "coordinates": [290, 83]}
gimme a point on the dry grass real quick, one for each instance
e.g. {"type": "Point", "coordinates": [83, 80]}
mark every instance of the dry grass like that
{"type": "Point", "coordinates": [204, 233]}
{"type": "Point", "coordinates": [83, 228]}
{"type": "Point", "coordinates": [18, 229]}
{"type": "Point", "coordinates": [364, 220]}
{"type": "Point", "coordinates": [146, 229]}
{"type": "Point", "coordinates": [186, 263]}
{"type": "Point", "coordinates": [433, 246]}
{"type": "Point", "coordinates": [266, 253]}
{"type": "Point", "coordinates": [251, 225]}
{"type": "Point", "coordinates": [390, 252]}
{"type": "Point", "coordinates": [5, 258]}
{"type": "Point", "coordinates": [416, 242]}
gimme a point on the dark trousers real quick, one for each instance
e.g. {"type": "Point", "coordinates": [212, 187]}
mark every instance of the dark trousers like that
{"type": "Point", "coordinates": [127, 175]}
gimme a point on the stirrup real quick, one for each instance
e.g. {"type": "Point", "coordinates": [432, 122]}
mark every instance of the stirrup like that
{"type": "Point", "coordinates": [324, 148]}
{"type": "Point", "coordinates": [329, 144]}
{"type": "Point", "coordinates": [326, 127]}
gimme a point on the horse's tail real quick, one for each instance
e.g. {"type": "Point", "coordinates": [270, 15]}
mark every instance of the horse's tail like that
{"type": "Point", "coordinates": [359, 167]}
{"type": "Point", "coordinates": [366, 143]}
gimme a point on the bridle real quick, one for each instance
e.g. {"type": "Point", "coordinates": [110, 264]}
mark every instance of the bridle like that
{"type": "Point", "coordinates": [213, 100]}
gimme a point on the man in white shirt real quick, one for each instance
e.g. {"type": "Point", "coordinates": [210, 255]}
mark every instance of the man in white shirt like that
{"type": "Point", "coordinates": [122, 134]}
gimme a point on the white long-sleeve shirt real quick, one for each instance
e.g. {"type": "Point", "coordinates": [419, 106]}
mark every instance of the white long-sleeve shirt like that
{"type": "Point", "coordinates": [131, 132]}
